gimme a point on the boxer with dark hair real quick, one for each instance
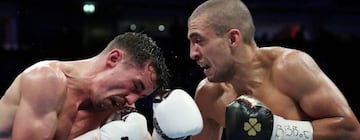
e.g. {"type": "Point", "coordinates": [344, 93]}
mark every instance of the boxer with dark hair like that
{"type": "Point", "coordinates": [287, 97]}
{"type": "Point", "coordinates": [60, 100]}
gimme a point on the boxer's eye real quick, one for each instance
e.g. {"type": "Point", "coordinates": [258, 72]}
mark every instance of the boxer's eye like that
{"type": "Point", "coordinates": [138, 86]}
{"type": "Point", "coordinates": [197, 40]}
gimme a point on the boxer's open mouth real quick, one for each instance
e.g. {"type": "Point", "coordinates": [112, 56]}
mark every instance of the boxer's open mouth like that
{"type": "Point", "coordinates": [205, 66]}
{"type": "Point", "coordinates": [117, 101]}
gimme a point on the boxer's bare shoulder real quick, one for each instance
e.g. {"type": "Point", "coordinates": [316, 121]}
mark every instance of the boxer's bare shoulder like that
{"type": "Point", "coordinates": [23, 95]}
{"type": "Point", "coordinates": [44, 76]}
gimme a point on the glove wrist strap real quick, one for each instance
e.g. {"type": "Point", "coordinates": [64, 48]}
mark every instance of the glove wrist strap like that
{"type": "Point", "coordinates": [290, 129]}
{"type": "Point", "coordinates": [162, 134]}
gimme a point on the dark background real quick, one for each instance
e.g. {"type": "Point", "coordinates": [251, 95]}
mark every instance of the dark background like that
{"type": "Point", "coordinates": [58, 29]}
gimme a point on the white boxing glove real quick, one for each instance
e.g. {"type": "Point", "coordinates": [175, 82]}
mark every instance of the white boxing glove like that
{"type": "Point", "coordinates": [125, 124]}
{"type": "Point", "coordinates": [176, 117]}
{"type": "Point", "coordinates": [133, 128]}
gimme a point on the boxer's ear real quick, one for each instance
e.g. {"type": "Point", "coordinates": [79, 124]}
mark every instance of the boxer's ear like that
{"type": "Point", "coordinates": [114, 57]}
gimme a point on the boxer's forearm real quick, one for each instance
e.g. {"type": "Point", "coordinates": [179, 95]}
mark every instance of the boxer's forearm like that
{"type": "Point", "coordinates": [336, 128]}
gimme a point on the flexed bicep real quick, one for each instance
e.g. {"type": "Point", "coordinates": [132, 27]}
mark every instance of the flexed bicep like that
{"type": "Point", "coordinates": [299, 76]}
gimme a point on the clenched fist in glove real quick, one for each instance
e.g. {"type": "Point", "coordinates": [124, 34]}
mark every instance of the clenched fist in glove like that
{"type": "Point", "coordinates": [248, 119]}
{"type": "Point", "coordinates": [176, 116]}
{"type": "Point", "coordinates": [131, 126]}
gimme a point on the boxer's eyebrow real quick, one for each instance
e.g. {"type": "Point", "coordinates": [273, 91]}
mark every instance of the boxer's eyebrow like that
{"type": "Point", "coordinates": [193, 35]}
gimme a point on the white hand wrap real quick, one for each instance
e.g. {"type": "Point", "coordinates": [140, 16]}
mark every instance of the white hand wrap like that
{"type": "Point", "coordinates": [176, 117]}
{"type": "Point", "coordinates": [291, 130]}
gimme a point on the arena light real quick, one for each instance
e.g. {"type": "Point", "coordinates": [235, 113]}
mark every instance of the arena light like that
{"type": "Point", "coordinates": [133, 27]}
{"type": "Point", "coordinates": [88, 7]}
{"type": "Point", "coordinates": [161, 28]}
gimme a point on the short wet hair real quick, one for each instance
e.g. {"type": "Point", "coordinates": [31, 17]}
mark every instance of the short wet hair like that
{"type": "Point", "coordinates": [143, 48]}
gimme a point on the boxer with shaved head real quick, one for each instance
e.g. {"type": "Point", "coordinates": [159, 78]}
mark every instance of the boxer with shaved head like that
{"type": "Point", "coordinates": [257, 92]}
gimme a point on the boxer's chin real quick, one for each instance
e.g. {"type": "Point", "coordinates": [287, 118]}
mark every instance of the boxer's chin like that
{"type": "Point", "coordinates": [214, 78]}
{"type": "Point", "coordinates": [207, 71]}
{"type": "Point", "coordinates": [210, 75]}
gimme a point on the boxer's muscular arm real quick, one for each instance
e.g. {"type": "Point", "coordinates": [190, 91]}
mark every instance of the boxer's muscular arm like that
{"type": "Point", "coordinates": [300, 77]}
{"type": "Point", "coordinates": [211, 129]}
{"type": "Point", "coordinates": [36, 116]}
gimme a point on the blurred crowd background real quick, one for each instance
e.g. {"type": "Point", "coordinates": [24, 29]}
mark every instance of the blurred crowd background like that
{"type": "Point", "coordinates": [31, 31]}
